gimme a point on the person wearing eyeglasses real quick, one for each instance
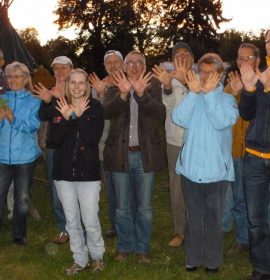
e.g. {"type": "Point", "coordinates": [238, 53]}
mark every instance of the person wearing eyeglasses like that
{"type": "Point", "coordinates": [113, 62]}
{"type": "Point", "coordinates": [205, 163]}
{"type": "Point", "coordinates": [61, 66]}
{"type": "Point", "coordinates": [134, 151]}
{"type": "Point", "coordinates": [19, 150]}
{"type": "Point", "coordinates": [247, 54]}
{"type": "Point", "coordinates": [254, 107]}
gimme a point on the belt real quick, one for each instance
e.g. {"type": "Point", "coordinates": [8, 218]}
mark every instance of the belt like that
{"type": "Point", "coordinates": [134, 148]}
{"type": "Point", "coordinates": [258, 154]}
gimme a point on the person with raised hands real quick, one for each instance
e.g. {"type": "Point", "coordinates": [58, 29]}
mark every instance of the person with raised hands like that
{"type": "Point", "coordinates": [61, 66]}
{"type": "Point", "coordinates": [76, 169]}
{"type": "Point", "coordinates": [205, 163]}
{"type": "Point", "coordinates": [134, 151]}
{"type": "Point", "coordinates": [174, 89]}
{"type": "Point", "coordinates": [113, 62]}
{"type": "Point", "coordinates": [254, 107]}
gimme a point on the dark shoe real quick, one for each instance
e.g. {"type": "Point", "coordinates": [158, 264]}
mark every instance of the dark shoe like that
{"type": "Point", "coordinates": [191, 268]}
{"type": "Point", "coordinates": [143, 258]}
{"type": "Point", "coordinates": [256, 275]}
{"type": "Point", "coordinates": [61, 238]}
{"type": "Point", "coordinates": [238, 248]}
{"type": "Point", "coordinates": [19, 242]}
{"type": "Point", "coordinates": [122, 256]}
{"type": "Point", "coordinates": [211, 270]}
{"type": "Point", "coordinates": [110, 233]}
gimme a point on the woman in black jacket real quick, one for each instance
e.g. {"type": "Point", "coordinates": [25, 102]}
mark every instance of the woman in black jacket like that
{"type": "Point", "coordinates": [76, 174]}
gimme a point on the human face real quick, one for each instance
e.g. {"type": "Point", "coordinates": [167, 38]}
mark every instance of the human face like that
{"type": "Point", "coordinates": [205, 71]}
{"type": "Point", "coordinates": [134, 66]}
{"type": "Point", "coordinates": [17, 79]}
{"type": "Point", "coordinates": [61, 71]}
{"type": "Point", "coordinates": [113, 64]}
{"type": "Point", "coordinates": [77, 85]}
{"type": "Point", "coordinates": [267, 43]}
{"type": "Point", "coordinates": [246, 55]}
{"type": "Point", "coordinates": [184, 54]}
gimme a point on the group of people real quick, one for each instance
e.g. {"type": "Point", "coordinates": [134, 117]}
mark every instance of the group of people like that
{"type": "Point", "coordinates": [130, 125]}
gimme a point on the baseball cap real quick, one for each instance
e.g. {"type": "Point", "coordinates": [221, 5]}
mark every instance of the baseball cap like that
{"type": "Point", "coordinates": [181, 45]}
{"type": "Point", "coordinates": [62, 60]}
{"type": "Point", "coordinates": [113, 52]}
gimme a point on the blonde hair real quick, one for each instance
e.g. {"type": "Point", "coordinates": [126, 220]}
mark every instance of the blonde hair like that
{"type": "Point", "coordinates": [88, 87]}
{"type": "Point", "coordinates": [212, 58]}
{"type": "Point", "coordinates": [10, 68]}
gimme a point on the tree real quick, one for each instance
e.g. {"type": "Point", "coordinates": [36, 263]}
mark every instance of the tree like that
{"type": "Point", "coordinates": [151, 26]}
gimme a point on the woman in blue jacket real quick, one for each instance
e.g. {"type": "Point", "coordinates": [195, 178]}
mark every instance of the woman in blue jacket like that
{"type": "Point", "coordinates": [207, 114]}
{"type": "Point", "coordinates": [19, 149]}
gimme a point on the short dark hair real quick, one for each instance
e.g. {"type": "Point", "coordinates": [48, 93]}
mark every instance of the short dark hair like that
{"type": "Point", "coordinates": [255, 50]}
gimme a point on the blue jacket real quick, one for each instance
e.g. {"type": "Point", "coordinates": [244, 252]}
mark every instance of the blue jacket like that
{"type": "Point", "coordinates": [18, 140]}
{"type": "Point", "coordinates": [206, 152]}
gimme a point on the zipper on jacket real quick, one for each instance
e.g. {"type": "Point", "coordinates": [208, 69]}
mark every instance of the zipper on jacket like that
{"type": "Point", "coordinates": [74, 154]}
{"type": "Point", "coordinates": [14, 108]}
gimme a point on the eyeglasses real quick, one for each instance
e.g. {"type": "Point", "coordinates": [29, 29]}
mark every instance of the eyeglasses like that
{"type": "Point", "coordinates": [182, 54]}
{"type": "Point", "coordinates": [246, 58]}
{"type": "Point", "coordinates": [15, 76]}
{"type": "Point", "coordinates": [131, 63]}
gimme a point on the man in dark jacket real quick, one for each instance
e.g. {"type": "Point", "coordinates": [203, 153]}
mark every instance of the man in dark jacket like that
{"type": "Point", "coordinates": [134, 150]}
{"type": "Point", "coordinates": [254, 106]}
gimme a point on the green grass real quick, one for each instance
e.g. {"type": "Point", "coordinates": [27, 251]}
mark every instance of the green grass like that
{"type": "Point", "coordinates": [42, 259]}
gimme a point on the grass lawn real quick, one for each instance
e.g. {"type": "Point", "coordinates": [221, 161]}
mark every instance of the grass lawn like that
{"type": "Point", "coordinates": [42, 259]}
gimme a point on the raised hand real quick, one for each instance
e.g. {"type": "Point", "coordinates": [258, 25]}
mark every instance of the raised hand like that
{"type": "Point", "coordinates": [42, 92]}
{"type": "Point", "coordinates": [58, 91]}
{"type": "Point", "coordinates": [265, 78]}
{"type": "Point", "coordinates": [142, 83]}
{"type": "Point", "coordinates": [181, 66]}
{"type": "Point", "coordinates": [80, 108]}
{"type": "Point", "coordinates": [9, 114]}
{"type": "Point", "coordinates": [249, 76]}
{"type": "Point", "coordinates": [123, 84]}
{"type": "Point", "coordinates": [193, 81]}
{"type": "Point", "coordinates": [211, 82]}
{"type": "Point", "coordinates": [64, 108]}
{"type": "Point", "coordinates": [234, 80]}
{"type": "Point", "coordinates": [162, 75]}
{"type": "Point", "coordinates": [2, 113]}
{"type": "Point", "coordinates": [97, 84]}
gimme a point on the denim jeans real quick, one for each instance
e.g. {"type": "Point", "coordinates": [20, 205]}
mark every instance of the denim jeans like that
{"type": "Point", "coordinates": [56, 203]}
{"type": "Point", "coordinates": [239, 209]}
{"type": "Point", "coordinates": [227, 219]}
{"type": "Point", "coordinates": [256, 174]}
{"type": "Point", "coordinates": [111, 195]}
{"type": "Point", "coordinates": [204, 235]}
{"type": "Point", "coordinates": [22, 176]}
{"type": "Point", "coordinates": [134, 226]}
{"type": "Point", "coordinates": [80, 203]}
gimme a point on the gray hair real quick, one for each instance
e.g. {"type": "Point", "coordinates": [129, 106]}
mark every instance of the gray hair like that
{"type": "Point", "coordinates": [212, 58]}
{"type": "Point", "coordinates": [135, 52]}
{"type": "Point", "coordinates": [255, 50]}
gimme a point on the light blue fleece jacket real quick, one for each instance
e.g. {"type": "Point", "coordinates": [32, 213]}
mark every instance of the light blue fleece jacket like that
{"type": "Point", "coordinates": [206, 152]}
{"type": "Point", "coordinates": [18, 140]}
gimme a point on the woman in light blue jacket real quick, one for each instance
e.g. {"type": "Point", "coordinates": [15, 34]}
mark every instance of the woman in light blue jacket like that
{"type": "Point", "coordinates": [207, 114]}
{"type": "Point", "coordinates": [19, 149]}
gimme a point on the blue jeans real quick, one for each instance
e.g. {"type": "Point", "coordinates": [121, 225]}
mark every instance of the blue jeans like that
{"type": "Point", "coordinates": [239, 209]}
{"type": "Point", "coordinates": [227, 219]}
{"type": "Point", "coordinates": [111, 195]}
{"type": "Point", "coordinates": [256, 174]}
{"type": "Point", "coordinates": [22, 175]}
{"type": "Point", "coordinates": [56, 203]}
{"type": "Point", "coordinates": [134, 226]}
